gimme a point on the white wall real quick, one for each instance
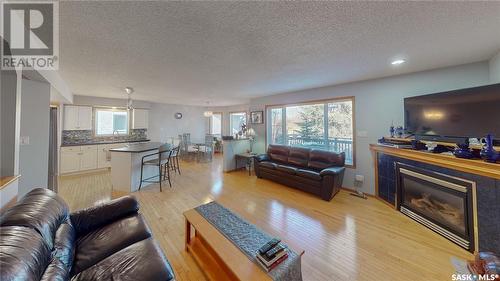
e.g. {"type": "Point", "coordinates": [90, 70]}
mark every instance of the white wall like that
{"type": "Point", "coordinates": [8, 101]}
{"type": "Point", "coordinates": [163, 125]}
{"type": "Point", "coordinates": [495, 68]}
{"type": "Point", "coordinates": [34, 157]}
{"type": "Point", "coordinates": [377, 103]}
{"type": "Point", "coordinates": [98, 101]}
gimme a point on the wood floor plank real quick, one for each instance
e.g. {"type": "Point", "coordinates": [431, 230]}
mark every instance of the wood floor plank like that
{"type": "Point", "coordinates": [347, 238]}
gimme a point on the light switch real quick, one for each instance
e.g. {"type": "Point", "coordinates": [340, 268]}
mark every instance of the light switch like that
{"type": "Point", "coordinates": [24, 140]}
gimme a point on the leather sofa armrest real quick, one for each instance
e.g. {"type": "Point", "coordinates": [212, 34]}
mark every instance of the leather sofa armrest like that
{"type": "Point", "coordinates": [262, 157]}
{"type": "Point", "coordinates": [91, 218]}
{"type": "Point", "coordinates": [332, 171]}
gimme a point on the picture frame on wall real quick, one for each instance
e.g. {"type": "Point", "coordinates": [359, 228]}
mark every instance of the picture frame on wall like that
{"type": "Point", "coordinates": [257, 117]}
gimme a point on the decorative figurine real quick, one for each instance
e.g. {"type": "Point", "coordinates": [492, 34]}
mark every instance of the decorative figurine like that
{"type": "Point", "coordinates": [399, 131]}
{"type": "Point", "coordinates": [488, 153]}
{"type": "Point", "coordinates": [463, 151]}
{"type": "Point", "coordinates": [391, 129]}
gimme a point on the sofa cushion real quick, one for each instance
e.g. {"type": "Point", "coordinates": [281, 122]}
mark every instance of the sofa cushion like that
{"type": "Point", "coordinates": [269, 165]}
{"type": "Point", "coordinates": [40, 209]}
{"type": "Point", "coordinates": [24, 254]}
{"type": "Point", "coordinates": [298, 156]}
{"type": "Point", "coordinates": [309, 174]}
{"type": "Point", "coordinates": [278, 153]}
{"type": "Point", "coordinates": [107, 240]}
{"type": "Point", "coordinates": [64, 244]}
{"type": "Point", "coordinates": [321, 159]}
{"type": "Point", "coordinates": [287, 169]}
{"type": "Point", "coordinates": [140, 261]}
{"type": "Point", "coordinates": [96, 216]}
{"type": "Point", "coordinates": [56, 271]}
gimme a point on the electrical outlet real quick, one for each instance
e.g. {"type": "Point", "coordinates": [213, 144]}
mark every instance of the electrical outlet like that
{"type": "Point", "coordinates": [359, 178]}
{"type": "Point", "coordinates": [362, 133]}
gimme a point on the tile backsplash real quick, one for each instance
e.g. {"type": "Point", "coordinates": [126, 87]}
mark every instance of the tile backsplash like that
{"type": "Point", "coordinates": [87, 136]}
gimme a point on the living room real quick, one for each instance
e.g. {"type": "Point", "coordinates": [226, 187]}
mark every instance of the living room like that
{"type": "Point", "coordinates": [173, 140]}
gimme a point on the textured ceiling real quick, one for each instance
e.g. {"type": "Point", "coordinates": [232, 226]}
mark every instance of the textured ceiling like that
{"type": "Point", "coordinates": [230, 52]}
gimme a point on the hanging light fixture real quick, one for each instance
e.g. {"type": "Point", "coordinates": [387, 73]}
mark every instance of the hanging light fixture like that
{"type": "Point", "coordinates": [129, 91]}
{"type": "Point", "coordinates": [208, 113]}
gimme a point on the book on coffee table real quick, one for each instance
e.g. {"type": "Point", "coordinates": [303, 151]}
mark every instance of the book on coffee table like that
{"type": "Point", "coordinates": [272, 257]}
{"type": "Point", "coordinates": [273, 265]}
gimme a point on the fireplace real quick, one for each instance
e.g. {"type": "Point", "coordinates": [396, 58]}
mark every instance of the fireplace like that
{"type": "Point", "coordinates": [440, 202]}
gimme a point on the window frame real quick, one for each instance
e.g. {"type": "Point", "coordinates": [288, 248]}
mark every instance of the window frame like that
{"type": "Point", "coordinates": [229, 123]}
{"type": "Point", "coordinates": [117, 109]}
{"type": "Point", "coordinates": [311, 102]}
{"type": "Point", "coordinates": [221, 123]}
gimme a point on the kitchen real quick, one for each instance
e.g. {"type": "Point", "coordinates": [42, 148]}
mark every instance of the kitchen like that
{"type": "Point", "coordinates": [92, 126]}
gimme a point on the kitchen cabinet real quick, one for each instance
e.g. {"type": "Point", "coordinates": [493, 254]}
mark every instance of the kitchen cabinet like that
{"type": "Point", "coordinates": [78, 158]}
{"type": "Point", "coordinates": [77, 117]}
{"type": "Point", "coordinates": [70, 159]}
{"type": "Point", "coordinates": [140, 119]}
{"type": "Point", "coordinates": [88, 158]}
{"type": "Point", "coordinates": [104, 155]}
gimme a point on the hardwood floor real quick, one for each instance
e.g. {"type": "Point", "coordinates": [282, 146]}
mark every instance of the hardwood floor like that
{"type": "Point", "coordinates": [346, 239]}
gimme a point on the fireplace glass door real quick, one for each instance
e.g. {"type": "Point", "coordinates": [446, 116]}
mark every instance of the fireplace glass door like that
{"type": "Point", "coordinates": [440, 202]}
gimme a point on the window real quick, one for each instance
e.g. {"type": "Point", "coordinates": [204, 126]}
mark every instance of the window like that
{"type": "Point", "coordinates": [216, 124]}
{"type": "Point", "coordinates": [327, 125]}
{"type": "Point", "coordinates": [109, 122]}
{"type": "Point", "coordinates": [236, 119]}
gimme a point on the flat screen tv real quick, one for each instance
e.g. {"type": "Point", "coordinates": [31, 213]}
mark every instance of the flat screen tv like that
{"type": "Point", "coordinates": [455, 115]}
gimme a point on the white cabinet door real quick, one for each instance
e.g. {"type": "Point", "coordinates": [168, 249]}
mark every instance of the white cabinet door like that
{"type": "Point", "coordinates": [70, 117]}
{"type": "Point", "coordinates": [84, 118]}
{"type": "Point", "coordinates": [140, 119]}
{"type": "Point", "coordinates": [88, 158]}
{"type": "Point", "coordinates": [102, 156]}
{"type": "Point", "coordinates": [77, 117]}
{"type": "Point", "coordinates": [70, 161]}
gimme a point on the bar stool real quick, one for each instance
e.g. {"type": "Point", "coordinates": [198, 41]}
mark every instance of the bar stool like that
{"type": "Point", "coordinates": [162, 162]}
{"type": "Point", "coordinates": [174, 159]}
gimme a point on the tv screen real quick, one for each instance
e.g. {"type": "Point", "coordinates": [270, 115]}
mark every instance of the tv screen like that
{"type": "Point", "coordinates": [471, 113]}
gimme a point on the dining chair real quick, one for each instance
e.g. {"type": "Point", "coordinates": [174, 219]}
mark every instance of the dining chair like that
{"type": "Point", "coordinates": [162, 161]}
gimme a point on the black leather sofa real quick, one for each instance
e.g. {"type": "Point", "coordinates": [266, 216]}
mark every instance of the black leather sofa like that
{"type": "Point", "coordinates": [315, 171]}
{"type": "Point", "coordinates": [41, 240]}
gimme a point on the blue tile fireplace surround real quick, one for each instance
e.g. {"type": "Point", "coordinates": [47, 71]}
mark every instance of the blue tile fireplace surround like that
{"type": "Point", "coordinates": [487, 196]}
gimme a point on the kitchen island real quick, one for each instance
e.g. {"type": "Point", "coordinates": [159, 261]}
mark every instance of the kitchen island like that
{"type": "Point", "coordinates": [126, 165]}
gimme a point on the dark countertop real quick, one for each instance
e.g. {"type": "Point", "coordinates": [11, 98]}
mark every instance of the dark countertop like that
{"type": "Point", "coordinates": [138, 148]}
{"type": "Point", "coordinates": [101, 142]}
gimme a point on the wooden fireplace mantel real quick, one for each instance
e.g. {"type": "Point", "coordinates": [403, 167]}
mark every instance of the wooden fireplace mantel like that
{"type": "Point", "coordinates": [477, 167]}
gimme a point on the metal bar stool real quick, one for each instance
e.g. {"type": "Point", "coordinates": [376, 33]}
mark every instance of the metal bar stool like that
{"type": "Point", "coordinates": [162, 162]}
{"type": "Point", "coordinates": [175, 159]}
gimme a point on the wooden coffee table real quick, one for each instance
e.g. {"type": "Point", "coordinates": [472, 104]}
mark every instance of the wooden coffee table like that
{"type": "Point", "coordinates": [218, 257]}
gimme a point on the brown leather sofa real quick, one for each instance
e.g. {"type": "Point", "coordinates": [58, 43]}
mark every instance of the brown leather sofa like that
{"type": "Point", "coordinates": [315, 171]}
{"type": "Point", "coordinates": [41, 240]}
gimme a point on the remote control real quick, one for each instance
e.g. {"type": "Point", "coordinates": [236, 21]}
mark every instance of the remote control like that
{"type": "Point", "coordinates": [269, 245]}
{"type": "Point", "coordinates": [272, 253]}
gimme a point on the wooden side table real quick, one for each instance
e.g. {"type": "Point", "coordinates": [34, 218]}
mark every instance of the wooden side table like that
{"type": "Point", "coordinates": [248, 157]}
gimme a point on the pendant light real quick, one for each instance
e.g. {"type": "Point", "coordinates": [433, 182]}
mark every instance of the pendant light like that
{"type": "Point", "coordinates": [129, 91]}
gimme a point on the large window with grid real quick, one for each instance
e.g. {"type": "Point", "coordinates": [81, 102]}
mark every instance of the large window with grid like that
{"type": "Point", "coordinates": [327, 125]}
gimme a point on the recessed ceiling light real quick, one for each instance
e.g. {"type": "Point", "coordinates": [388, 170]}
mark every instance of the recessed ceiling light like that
{"type": "Point", "coordinates": [398, 62]}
